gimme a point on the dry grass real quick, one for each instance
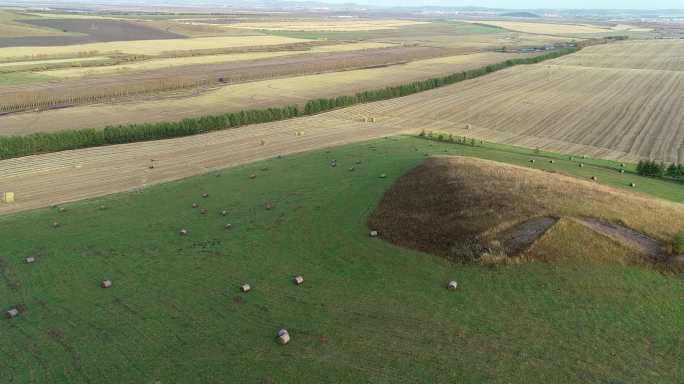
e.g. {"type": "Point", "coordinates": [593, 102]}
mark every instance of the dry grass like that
{"type": "Point", "coordinates": [543, 28]}
{"type": "Point", "coordinates": [334, 25]}
{"type": "Point", "coordinates": [150, 47]}
{"type": "Point", "coordinates": [194, 60]}
{"type": "Point", "coordinates": [36, 63]}
{"type": "Point", "coordinates": [448, 200]}
{"type": "Point", "coordinates": [568, 240]}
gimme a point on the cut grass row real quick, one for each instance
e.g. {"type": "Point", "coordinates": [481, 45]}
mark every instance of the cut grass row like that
{"type": "Point", "coordinates": [368, 311]}
{"type": "Point", "coordinates": [17, 146]}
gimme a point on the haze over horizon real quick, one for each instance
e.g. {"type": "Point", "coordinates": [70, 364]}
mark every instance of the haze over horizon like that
{"type": "Point", "coordinates": [527, 4]}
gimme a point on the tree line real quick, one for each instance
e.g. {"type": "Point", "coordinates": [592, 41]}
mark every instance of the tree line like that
{"type": "Point", "coordinates": [37, 143]}
{"type": "Point", "coordinates": [653, 168]}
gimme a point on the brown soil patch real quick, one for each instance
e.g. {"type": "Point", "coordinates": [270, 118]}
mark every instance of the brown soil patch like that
{"type": "Point", "coordinates": [447, 203]}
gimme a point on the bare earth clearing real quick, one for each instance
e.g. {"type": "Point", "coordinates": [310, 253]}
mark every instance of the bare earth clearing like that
{"type": "Point", "coordinates": [276, 92]}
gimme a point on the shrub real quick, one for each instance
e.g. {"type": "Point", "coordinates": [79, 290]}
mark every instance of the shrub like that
{"type": "Point", "coordinates": [678, 242]}
{"type": "Point", "coordinates": [651, 168]}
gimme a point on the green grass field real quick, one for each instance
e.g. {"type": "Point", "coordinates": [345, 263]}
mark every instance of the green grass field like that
{"type": "Point", "coordinates": [367, 312]}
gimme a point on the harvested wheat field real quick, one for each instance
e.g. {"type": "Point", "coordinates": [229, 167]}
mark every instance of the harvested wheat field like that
{"type": "Point", "coordinates": [154, 64]}
{"type": "Point", "coordinates": [335, 25]}
{"type": "Point", "coordinates": [615, 113]}
{"type": "Point", "coordinates": [149, 47]}
{"type": "Point", "coordinates": [543, 28]}
{"type": "Point", "coordinates": [461, 207]}
{"type": "Point", "coordinates": [43, 180]}
{"type": "Point", "coordinates": [267, 93]}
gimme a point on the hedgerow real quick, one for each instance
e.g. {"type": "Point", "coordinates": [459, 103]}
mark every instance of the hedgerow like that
{"type": "Point", "coordinates": [17, 146]}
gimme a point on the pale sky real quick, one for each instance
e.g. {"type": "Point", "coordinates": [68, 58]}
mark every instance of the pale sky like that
{"type": "Point", "coordinates": [520, 4]}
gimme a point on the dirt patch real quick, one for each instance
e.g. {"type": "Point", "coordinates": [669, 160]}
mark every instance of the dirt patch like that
{"type": "Point", "coordinates": [626, 236]}
{"type": "Point", "coordinates": [464, 208]}
{"type": "Point", "coordinates": [91, 31]}
{"type": "Point", "coordinates": [523, 235]}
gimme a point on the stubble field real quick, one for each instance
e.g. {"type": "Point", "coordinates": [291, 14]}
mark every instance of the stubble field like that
{"type": "Point", "coordinates": [610, 110]}
{"type": "Point", "coordinates": [259, 94]}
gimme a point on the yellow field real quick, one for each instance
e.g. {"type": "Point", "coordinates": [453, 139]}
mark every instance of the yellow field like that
{"type": "Point", "coordinates": [150, 47]}
{"type": "Point", "coordinates": [209, 59]}
{"type": "Point", "coordinates": [38, 63]}
{"type": "Point", "coordinates": [644, 54]}
{"type": "Point", "coordinates": [335, 25]}
{"type": "Point", "coordinates": [543, 28]}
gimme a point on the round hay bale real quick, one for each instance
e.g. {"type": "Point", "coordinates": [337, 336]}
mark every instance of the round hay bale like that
{"type": "Point", "coordinates": [62, 209]}
{"type": "Point", "coordinates": [452, 286]}
{"type": "Point", "coordinates": [622, 171]}
{"type": "Point", "coordinates": [56, 225]}
{"type": "Point", "coordinates": [622, 165]}
{"type": "Point", "coordinates": [383, 176]}
{"type": "Point", "coordinates": [633, 185]}
{"type": "Point", "coordinates": [532, 161]}
{"type": "Point", "coordinates": [102, 207]}
{"type": "Point", "coordinates": [30, 260]}
{"type": "Point", "coordinates": [269, 206]}
{"type": "Point", "coordinates": [244, 288]}
{"type": "Point", "coordinates": [203, 211]}
{"type": "Point", "coordinates": [571, 158]}
{"type": "Point", "coordinates": [12, 313]}
{"type": "Point", "coordinates": [552, 161]}
{"type": "Point", "coordinates": [358, 162]}
{"type": "Point", "coordinates": [283, 337]}
{"type": "Point", "coordinates": [205, 195]}
{"type": "Point", "coordinates": [594, 178]}
{"type": "Point", "coordinates": [228, 226]}
{"type": "Point", "coordinates": [351, 169]}
{"type": "Point", "coordinates": [224, 213]}
{"type": "Point", "coordinates": [468, 126]}
{"type": "Point", "coordinates": [252, 176]}
{"type": "Point", "coordinates": [183, 232]}
{"type": "Point", "coordinates": [581, 165]}
{"type": "Point", "coordinates": [584, 156]}
{"type": "Point", "coordinates": [374, 233]}
{"type": "Point", "coordinates": [195, 205]}
{"type": "Point", "coordinates": [106, 284]}
{"type": "Point", "coordinates": [298, 280]}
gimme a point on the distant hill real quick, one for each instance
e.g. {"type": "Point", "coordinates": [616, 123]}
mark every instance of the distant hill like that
{"type": "Point", "coordinates": [520, 14]}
